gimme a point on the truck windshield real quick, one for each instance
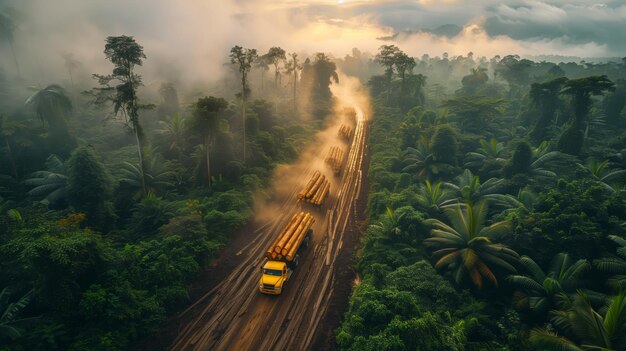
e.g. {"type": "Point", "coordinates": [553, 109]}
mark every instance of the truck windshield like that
{"type": "Point", "coordinates": [273, 272]}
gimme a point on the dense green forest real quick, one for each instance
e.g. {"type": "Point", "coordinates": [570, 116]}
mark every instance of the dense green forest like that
{"type": "Point", "coordinates": [115, 196]}
{"type": "Point", "coordinates": [497, 207]}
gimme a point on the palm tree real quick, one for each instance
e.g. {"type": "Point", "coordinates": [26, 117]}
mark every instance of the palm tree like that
{"type": "Point", "coordinates": [590, 329]}
{"type": "Point", "coordinates": [466, 245]}
{"type": "Point", "coordinates": [421, 160]}
{"type": "Point", "coordinates": [432, 197]}
{"type": "Point", "coordinates": [10, 324]}
{"type": "Point", "coordinates": [51, 184]}
{"type": "Point", "coordinates": [541, 288]}
{"type": "Point", "coordinates": [489, 152]}
{"type": "Point", "coordinates": [157, 176]}
{"type": "Point", "coordinates": [174, 132]}
{"type": "Point", "coordinates": [601, 174]}
{"type": "Point", "coordinates": [532, 162]}
{"type": "Point", "coordinates": [390, 225]}
{"type": "Point", "coordinates": [615, 265]}
{"type": "Point", "coordinates": [524, 201]}
{"type": "Point", "coordinates": [468, 188]}
{"type": "Point", "coordinates": [49, 104]}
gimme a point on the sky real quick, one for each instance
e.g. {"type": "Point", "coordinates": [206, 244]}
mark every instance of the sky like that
{"type": "Point", "coordinates": [190, 39]}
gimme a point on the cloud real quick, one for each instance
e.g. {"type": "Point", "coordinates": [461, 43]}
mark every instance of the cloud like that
{"type": "Point", "coordinates": [189, 40]}
{"type": "Point", "coordinates": [571, 24]}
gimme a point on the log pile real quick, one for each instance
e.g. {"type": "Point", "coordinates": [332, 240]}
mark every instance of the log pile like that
{"type": "Point", "coordinates": [334, 158]}
{"type": "Point", "coordinates": [287, 243]}
{"type": "Point", "coordinates": [345, 132]}
{"type": "Point", "coordinates": [316, 189]}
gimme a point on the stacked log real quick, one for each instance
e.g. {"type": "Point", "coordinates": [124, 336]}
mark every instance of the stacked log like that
{"type": "Point", "coordinates": [345, 132]}
{"type": "Point", "coordinates": [316, 189]}
{"type": "Point", "coordinates": [334, 158]}
{"type": "Point", "coordinates": [288, 241]}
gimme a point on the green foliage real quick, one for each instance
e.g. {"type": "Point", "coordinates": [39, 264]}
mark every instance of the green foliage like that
{"type": "Point", "coordinates": [581, 90]}
{"type": "Point", "coordinates": [576, 216]}
{"type": "Point", "coordinates": [487, 159]}
{"type": "Point", "coordinates": [444, 145]}
{"type": "Point", "coordinates": [149, 215]}
{"type": "Point", "coordinates": [541, 289]}
{"type": "Point", "coordinates": [522, 158]}
{"type": "Point", "coordinates": [404, 315]}
{"type": "Point", "coordinates": [475, 113]}
{"type": "Point", "coordinates": [51, 184]}
{"type": "Point", "coordinates": [467, 246]}
{"type": "Point", "coordinates": [90, 187]}
{"type": "Point", "coordinates": [545, 98]}
{"type": "Point", "coordinates": [10, 320]}
{"type": "Point", "coordinates": [588, 328]}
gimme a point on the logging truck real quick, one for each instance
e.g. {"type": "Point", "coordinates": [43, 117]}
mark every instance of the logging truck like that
{"type": "Point", "coordinates": [316, 190]}
{"type": "Point", "coordinates": [282, 256]}
{"type": "Point", "coordinates": [334, 159]}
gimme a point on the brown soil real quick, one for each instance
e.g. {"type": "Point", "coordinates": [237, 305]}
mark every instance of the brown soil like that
{"type": "Point", "coordinates": [325, 338]}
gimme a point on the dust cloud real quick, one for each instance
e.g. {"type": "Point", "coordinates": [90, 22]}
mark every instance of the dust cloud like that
{"type": "Point", "coordinates": [351, 105]}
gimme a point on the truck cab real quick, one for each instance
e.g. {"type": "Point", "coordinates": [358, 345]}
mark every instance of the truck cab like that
{"type": "Point", "coordinates": [275, 274]}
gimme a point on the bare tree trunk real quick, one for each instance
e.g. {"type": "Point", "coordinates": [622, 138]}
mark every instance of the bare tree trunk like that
{"type": "Point", "coordinates": [208, 159]}
{"type": "Point", "coordinates": [243, 113]}
{"type": "Point", "coordinates": [243, 116]}
{"type": "Point", "coordinates": [295, 82]}
{"type": "Point", "coordinates": [142, 166]}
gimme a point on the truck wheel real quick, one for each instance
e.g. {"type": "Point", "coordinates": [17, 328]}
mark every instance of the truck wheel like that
{"type": "Point", "coordinates": [306, 242]}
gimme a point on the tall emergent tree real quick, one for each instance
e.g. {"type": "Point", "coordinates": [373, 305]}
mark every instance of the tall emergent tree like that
{"type": "Point", "coordinates": [545, 97]}
{"type": "Point", "coordinates": [386, 57]}
{"type": "Point", "coordinates": [243, 58]}
{"type": "Point", "coordinates": [206, 122]}
{"type": "Point", "coordinates": [275, 56]}
{"type": "Point", "coordinates": [125, 54]}
{"type": "Point", "coordinates": [263, 65]}
{"type": "Point", "coordinates": [293, 66]}
{"type": "Point", "coordinates": [581, 90]}
{"type": "Point", "coordinates": [404, 64]}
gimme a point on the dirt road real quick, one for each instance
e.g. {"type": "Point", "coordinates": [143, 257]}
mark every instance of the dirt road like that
{"type": "Point", "coordinates": [235, 316]}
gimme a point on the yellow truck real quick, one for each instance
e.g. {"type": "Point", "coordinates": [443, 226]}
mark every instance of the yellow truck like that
{"type": "Point", "coordinates": [282, 256]}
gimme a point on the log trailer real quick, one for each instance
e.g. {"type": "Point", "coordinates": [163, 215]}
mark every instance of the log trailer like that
{"type": "Point", "coordinates": [334, 158]}
{"type": "Point", "coordinates": [282, 256]}
{"type": "Point", "coordinates": [316, 190]}
{"type": "Point", "coordinates": [345, 132]}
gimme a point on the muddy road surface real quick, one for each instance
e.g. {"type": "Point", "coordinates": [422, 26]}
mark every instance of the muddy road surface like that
{"type": "Point", "coordinates": [235, 316]}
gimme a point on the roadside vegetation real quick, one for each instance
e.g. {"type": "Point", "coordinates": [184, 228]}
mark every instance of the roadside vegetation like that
{"type": "Point", "coordinates": [114, 196]}
{"type": "Point", "coordinates": [497, 207]}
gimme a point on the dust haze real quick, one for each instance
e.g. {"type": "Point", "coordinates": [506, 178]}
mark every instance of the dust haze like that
{"type": "Point", "coordinates": [187, 42]}
{"type": "Point", "coordinates": [352, 105]}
